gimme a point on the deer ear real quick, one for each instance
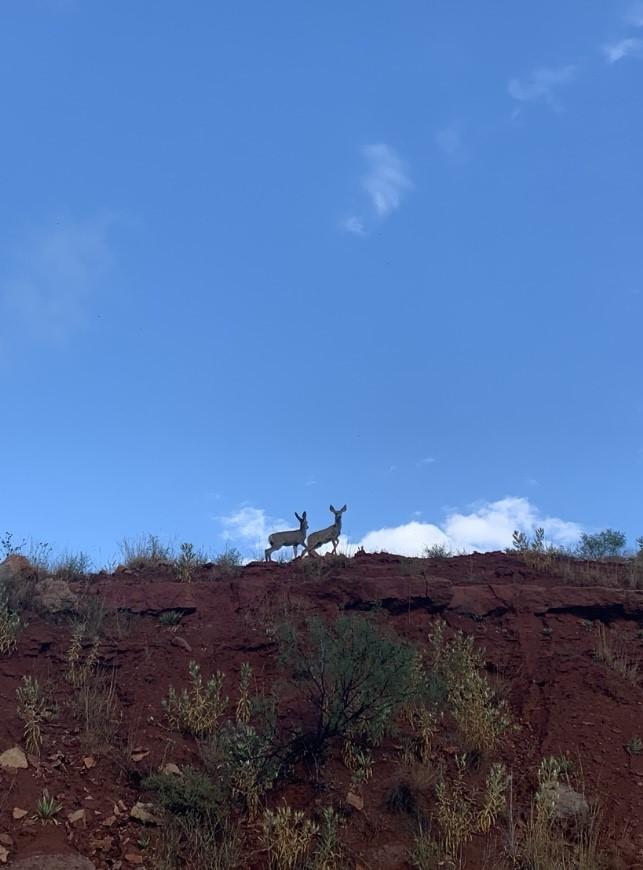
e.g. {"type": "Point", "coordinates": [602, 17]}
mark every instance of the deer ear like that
{"type": "Point", "coordinates": [332, 509]}
{"type": "Point", "coordinates": [303, 516]}
{"type": "Point", "coordinates": [343, 509]}
{"type": "Point", "coordinates": [297, 515]}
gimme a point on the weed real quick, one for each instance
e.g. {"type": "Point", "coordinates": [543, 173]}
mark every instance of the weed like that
{"type": "Point", "coordinates": [71, 566]}
{"type": "Point", "coordinates": [10, 625]}
{"type": "Point", "coordinates": [494, 800]}
{"type": "Point", "coordinates": [426, 853]}
{"type": "Point", "coordinates": [244, 706]}
{"type": "Point", "coordinates": [170, 617]}
{"type": "Point", "coordinates": [287, 836]}
{"type": "Point", "coordinates": [146, 551]}
{"type": "Point", "coordinates": [228, 563]}
{"type": "Point", "coordinates": [455, 813]}
{"type": "Point", "coordinates": [8, 547]}
{"type": "Point", "coordinates": [197, 843]}
{"type": "Point", "coordinates": [196, 711]}
{"type": "Point", "coordinates": [32, 709]}
{"type": "Point", "coordinates": [481, 717]}
{"type": "Point", "coordinates": [187, 562]}
{"type": "Point", "coordinates": [328, 854]}
{"type": "Point", "coordinates": [47, 809]}
{"type": "Point", "coordinates": [634, 746]}
{"type": "Point", "coordinates": [359, 761]}
{"type": "Point", "coordinates": [401, 800]}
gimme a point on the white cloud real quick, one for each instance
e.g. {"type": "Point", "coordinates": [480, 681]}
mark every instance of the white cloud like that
{"type": "Point", "coordinates": [428, 460]}
{"type": "Point", "coordinates": [48, 288]}
{"type": "Point", "coordinates": [249, 528]}
{"type": "Point", "coordinates": [541, 85]}
{"type": "Point", "coordinates": [386, 180]}
{"type": "Point", "coordinates": [486, 527]}
{"type": "Point", "coordinates": [616, 51]}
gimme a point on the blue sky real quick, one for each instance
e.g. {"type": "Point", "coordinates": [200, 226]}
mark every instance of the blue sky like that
{"type": "Point", "coordinates": [256, 258]}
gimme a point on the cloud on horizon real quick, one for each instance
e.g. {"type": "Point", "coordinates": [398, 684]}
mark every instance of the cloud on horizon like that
{"type": "Point", "coordinates": [542, 84]}
{"type": "Point", "coordinates": [385, 183]}
{"type": "Point", "coordinates": [487, 526]}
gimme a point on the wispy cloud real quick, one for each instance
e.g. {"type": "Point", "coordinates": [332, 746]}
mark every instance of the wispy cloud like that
{"type": "Point", "coordinates": [542, 85]}
{"type": "Point", "coordinates": [354, 224]}
{"type": "Point", "coordinates": [52, 277]}
{"type": "Point", "coordinates": [387, 179]}
{"type": "Point", "coordinates": [385, 183]}
{"type": "Point", "coordinates": [635, 14]}
{"type": "Point", "coordinates": [488, 526]}
{"type": "Point", "coordinates": [450, 142]}
{"type": "Point", "coordinates": [427, 460]}
{"type": "Point", "coordinates": [615, 51]}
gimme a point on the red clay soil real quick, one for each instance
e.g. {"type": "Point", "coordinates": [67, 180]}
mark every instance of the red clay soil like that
{"type": "Point", "coordinates": [538, 632]}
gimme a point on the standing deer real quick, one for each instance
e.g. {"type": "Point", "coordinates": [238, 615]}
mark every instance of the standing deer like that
{"type": "Point", "coordinates": [326, 536]}
{"type": "Point", "coordinates": [294, 538]}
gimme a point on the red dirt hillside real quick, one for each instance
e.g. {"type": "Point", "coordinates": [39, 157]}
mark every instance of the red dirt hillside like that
{"type": "Point", "coordinates": [560, 644]}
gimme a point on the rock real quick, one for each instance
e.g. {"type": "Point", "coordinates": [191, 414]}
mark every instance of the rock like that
{"type": "Point", "coordinates": [4, 855]}
{"type": "Point", "coordinates": [78, 818]}
{"type": "Point", "coordinates": [6, 840]}
{"type": "Point", "coordinates": [133, 857]}
{"type": "Point", "coordinates": [177, 640]}
{"type": "Point", "coordinates": [355, 800]}
{"type": "Point", "coordinates": [18, 814]}
{"type": "Point", "coordinates": [170, 768]}
{"type": "Point", "coordinates": [55, 596]}
{"type": "Point", "coordinates": [14, 566]}
{"type": "Point", "coordinates": [567, 803]}
{"type": "Point", "coordinates": [14, 759]}
{"type": "Point", "coordinates": [89, 761]}
{"type": "Point", "coordinates": [145, 813]}
{"type": "Point", "coordinates": [67, 861]}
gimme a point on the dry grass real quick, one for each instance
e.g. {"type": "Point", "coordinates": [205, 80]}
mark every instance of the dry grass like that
{"type": "Point", "coordinates": [611, 651]}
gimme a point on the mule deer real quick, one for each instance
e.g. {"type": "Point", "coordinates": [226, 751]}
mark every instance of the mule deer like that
{"type": "Point", "coordinates": [326, 536]}
{"type": "Point", "coordinates": [294, 538]}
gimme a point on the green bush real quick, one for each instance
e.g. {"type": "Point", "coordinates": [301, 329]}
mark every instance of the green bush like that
{"type": "Point", "coordinates": [607, 544]}
{"type": "Point", "coordinates": [191, 793]}
{"type": "Point", "coordinates": [355, 677]}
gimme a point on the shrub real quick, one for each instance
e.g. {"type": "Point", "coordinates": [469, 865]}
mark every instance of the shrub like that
{"type": "Point", "coordinates": [603, 545]}
{"type": "Point", "coordinates": [328, 853]}
{"type": "Point", "coordinates": [192, 793]}
{"type": "Point", "coordinates": [196, 711]}
{"type": "Point", "coordinates": [247, 760]}
{"type": "Point", "coordinates": [437, 551]}
{"type": "Point", "coordinates": [47, 809]}
{"type": "Point", "coordinates": [356, 677]}
{"type": "Point", "coordinates": [72, 566]}
{"type": "Point", "coordinates": [228, 563]}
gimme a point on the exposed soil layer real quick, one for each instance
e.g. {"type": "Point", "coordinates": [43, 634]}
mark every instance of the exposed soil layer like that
{"type": "Point", "coordinates": [538, 630]}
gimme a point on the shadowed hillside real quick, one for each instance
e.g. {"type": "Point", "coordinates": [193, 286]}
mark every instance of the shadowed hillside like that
{"type": "Point", "coordinates": [473, 711]}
